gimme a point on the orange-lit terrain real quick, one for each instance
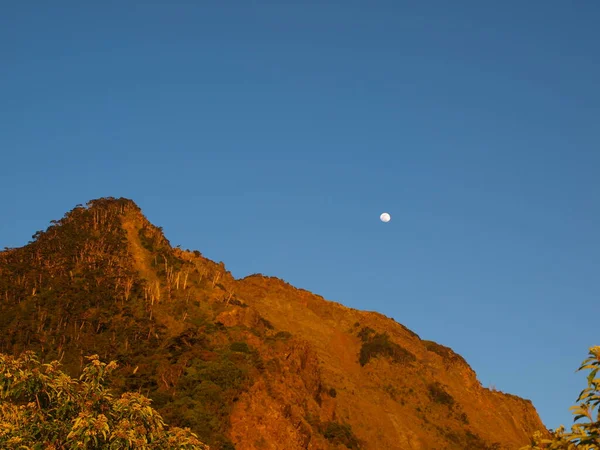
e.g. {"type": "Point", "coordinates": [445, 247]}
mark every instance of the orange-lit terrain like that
{"type": "Point", "coordinates": [250, 363]}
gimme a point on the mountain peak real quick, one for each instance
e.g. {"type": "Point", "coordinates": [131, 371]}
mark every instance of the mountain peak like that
{"type": "Point", "coordinates": [250, 362]}
{"type": "Point", "coordinates": [93, 215]}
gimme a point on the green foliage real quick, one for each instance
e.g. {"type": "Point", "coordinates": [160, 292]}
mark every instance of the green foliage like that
{"type": "Point", "coordinates": [583, 436]}
{"type": "Point", "coordinates": [78, 289]}
{"type": "Point", "coordinates": [42, 407]}
{"type": "Point", "coordinates": [438, 394]}
{"type": "Point", "coordinates": [466, 439]}
{"type": "Point", "coordinates": [283, 335]}
{"type": "Point", "coordinates": [226, 445]}
{"type": "Point", "coordinates": [408, 330]}
{"type": "Point", "coordinates": [338, 433]}
{"type": "Point", "coordinates": [240, 347]}
{"type": "Point", "coordinates": [445, 352]}
{"type": "Point", "coordinates": [207, 391]}
{"type": "Point", "coordinates": [334, 432]}
{"type": "Point", "coordinates": [146, 241]}
{"type": "Point", "coordinates": [365, 333]}
{"type": "Point", "coordinates": [391, 391]}
{"type": "Point", "coordinates": [264, 322]}
{"type": "Point", "coordinates": [66, 286]}
{"type": "Point", "coordinates": [380, 345]}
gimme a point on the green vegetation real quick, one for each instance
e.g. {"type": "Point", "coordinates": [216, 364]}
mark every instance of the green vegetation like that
{"type": "Point", "coordinates": [466, 439]}
{"type": "Point", "coordinates": [42, 407]}
{"type": "Point", "coordinates": [206, 390]}
{"type": "Point", "coordinates": [366, 333]}
{"type": "Point", "coordinates": [445, 352]}
{"type": "Point", "coordinates": [240, 347]}
{"type": "Point", "coordinates": [268, 325]}
{"type": "Point", "coordinates": [401, 395]}
{"type": "Point", "coordinates": [438, 394]}
{"type": "Point", "coordinates": [334, 432]}
{"type": "Point", "coordinates": [392, 391]}
{"type": "Point", "coordinates": [376, 344]}
{"type": "Point", "coordinates": [338, 433]}
{"type": "Point", "coordinates": [88, 285]}
{"type": "Point", "coordinates": [586, 435]}
{"type": "Point", "coordinates": [283, 335]}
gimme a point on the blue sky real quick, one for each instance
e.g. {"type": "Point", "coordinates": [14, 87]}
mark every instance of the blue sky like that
{"type": "Point", "coordinates": [271, 135]}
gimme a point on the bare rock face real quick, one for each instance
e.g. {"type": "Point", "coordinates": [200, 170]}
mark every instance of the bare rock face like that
{"type": "Point", "coordinates": [410, 394]}
{"type": "Point", "coordinates": [237, 316]}
{"type": "Point", "coordinates": [283, 411]}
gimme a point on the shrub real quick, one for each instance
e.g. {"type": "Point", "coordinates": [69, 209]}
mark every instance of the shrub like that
{"type": "Point", "coordinates": [365, 333]}
{"type": "Point", "coordinates": [224, 373]}
{"type": "Point", "coordinates": [240, 347]}
{"type": "Point", "coordinates": [583, 436]}
{"type": "Point", "coordinates": [391, 391]}
{"type": "Point", "coordinates": [466, 439]}
{"type": "Point", "coordinates": [445, 352]}
{"type": "Point", "coordinates": [44, 407]}
{"type": "Point", "coordinates": [438, 394]}
{"type": "Point", "coordinates": [226, 445]}
{"type": "Point", "coordinates": [283, 335]}
{"type": "Point", "coordinates": [338, 433]}
{"type": "Point", "coordinates": [380, 345]}
{"type": "Point", "coordinates": [268, 325]}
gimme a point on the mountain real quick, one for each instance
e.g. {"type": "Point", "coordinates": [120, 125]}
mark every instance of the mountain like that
{"type": "Point", "coordinates": [250, 363]}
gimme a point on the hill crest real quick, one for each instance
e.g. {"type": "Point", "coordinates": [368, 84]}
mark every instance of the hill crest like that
{"type": "Point", "coordinates": [250, 363]}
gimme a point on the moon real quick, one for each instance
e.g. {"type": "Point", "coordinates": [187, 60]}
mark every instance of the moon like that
{"type": "Point", "coordinates": [385, 217]}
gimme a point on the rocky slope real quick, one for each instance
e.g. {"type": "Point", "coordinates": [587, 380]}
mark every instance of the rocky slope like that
{"type": "Point", "coordinates": [248, 364]}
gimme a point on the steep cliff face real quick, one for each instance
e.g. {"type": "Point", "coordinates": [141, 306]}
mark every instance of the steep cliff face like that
{"type": "Point", "coordinates": [248, 364]}
{"type": "Point", "coordinates": [421, 396]}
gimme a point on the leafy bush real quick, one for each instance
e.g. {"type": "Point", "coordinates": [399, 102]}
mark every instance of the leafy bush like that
{"type": "Point", "coordinates": [226, 445]}
{"type": "Point", "coordinates": [268, 325]}
{"type": "Point", "coordinates": [583, 436]}
{"type": "Point", "coordinates": [338, 433]}
{"type": "Point", "coordinates": [466, 439]}
{"type": "Point", "coordinates": [392, 391]}
{"type": "Point", "coordinates": [147, 242]}
{"type": "Point", "coordinates": [224, 373]}
{"type": "Point", "coordinates": [380, 345]}
{"type": "Point", "coordinates": [240, 347]}
{"type": "Point", "coordinates": [283, 335]}
{"type": "Point", "coordinates": [365, 333]}
{"type": "Point", "coordinates": [438, 394]}
{"type": "Point", "coordinates": [42, 407]}
{"type": "Point", "coordinates": [445, 352]}
{"type": "Point", "coordinates": [206, 392]}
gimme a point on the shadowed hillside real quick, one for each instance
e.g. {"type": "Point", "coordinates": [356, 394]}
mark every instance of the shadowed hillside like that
{"type": "Point", "coordinates": [247, 364]}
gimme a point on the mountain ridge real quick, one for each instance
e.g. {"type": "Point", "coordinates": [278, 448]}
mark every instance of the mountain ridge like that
{"type": "Point", "coordinates": [248, 363]}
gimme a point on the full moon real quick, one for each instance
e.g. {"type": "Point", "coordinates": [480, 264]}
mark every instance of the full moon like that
{"type": "Point", "coordinates": [385, 217]}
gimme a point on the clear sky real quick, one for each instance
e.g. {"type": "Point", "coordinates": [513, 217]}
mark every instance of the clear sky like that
{"type": "Point", "coordinates": [271, 135]}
